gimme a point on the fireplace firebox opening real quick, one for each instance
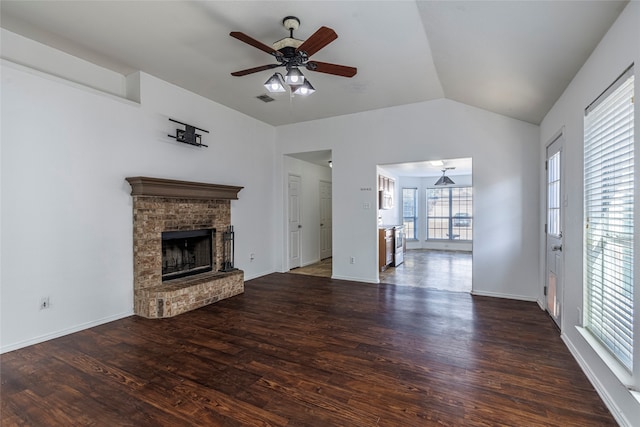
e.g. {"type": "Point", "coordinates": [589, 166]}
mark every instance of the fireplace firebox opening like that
{"type": "Point", "coordinates": [185, 253]}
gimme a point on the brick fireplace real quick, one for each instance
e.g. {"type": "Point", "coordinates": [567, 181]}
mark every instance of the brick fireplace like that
{"type": "Point", "coordinates": [162, 205]}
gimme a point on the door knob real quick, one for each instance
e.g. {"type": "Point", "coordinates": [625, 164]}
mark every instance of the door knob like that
{"type": "Point", "coordinates": [557, 248]}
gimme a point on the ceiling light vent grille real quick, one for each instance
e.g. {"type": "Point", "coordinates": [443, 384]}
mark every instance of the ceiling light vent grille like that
{"type": "Point", "coordinates": [265, 98]}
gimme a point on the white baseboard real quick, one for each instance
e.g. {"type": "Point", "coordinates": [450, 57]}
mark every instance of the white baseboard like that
{"type": "Point", "coordinates": [501, 295]}
{"type": "Point", "coordinates": [63, 332]}
{"type": "Point", "coordinates": [355, 279]}
{"type": "Point", "coordinates": [256, 275]}
{"type": "Point", "coordinates": [608, 400]}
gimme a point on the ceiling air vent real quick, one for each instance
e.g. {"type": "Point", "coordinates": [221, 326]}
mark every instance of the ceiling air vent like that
{"type": "Point", "coordinates": [265, 98]}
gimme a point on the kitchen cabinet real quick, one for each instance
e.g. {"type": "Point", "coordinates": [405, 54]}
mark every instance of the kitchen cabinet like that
{"type": "Point", "coordinates": [386, 247]}
{"type": "Point", "coordinates": [386, 190]}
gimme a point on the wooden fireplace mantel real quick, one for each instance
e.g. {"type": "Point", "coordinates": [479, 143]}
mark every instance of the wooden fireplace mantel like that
{"type": "Point", "coordinates": [159, 187]}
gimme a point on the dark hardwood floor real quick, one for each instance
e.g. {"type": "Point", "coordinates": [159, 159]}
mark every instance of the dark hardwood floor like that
{"type": "Point", "coordinates": [299, 350]}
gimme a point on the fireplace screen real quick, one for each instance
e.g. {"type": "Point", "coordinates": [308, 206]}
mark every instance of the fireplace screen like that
{"type": "Point", "coordinates": [186, 252]}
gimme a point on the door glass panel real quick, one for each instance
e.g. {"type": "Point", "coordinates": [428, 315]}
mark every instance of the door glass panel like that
{"type": "Point", "coordinates": [553, 194]}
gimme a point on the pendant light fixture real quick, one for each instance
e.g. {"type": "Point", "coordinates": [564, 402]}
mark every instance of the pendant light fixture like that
{"type": "Point", "coordinates": [444, 180]}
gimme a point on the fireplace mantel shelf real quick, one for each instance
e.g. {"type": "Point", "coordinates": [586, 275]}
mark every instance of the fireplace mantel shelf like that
{"type": "Point", "coordinates": [159, 187]}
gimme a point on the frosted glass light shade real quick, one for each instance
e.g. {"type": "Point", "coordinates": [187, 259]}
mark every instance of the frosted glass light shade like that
{"type": "Point", "coordinates": [304, 89]}
{"type": "Point", "coordinates": [275, 84]}
{"type": "Point", "coordinates": [294, 77]}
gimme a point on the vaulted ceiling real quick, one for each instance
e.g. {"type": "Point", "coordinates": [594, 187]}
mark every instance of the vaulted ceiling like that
{"type": "Point", "coordinates": [514, 58]}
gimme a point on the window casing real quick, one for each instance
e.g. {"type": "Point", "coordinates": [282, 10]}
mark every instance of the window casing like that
{"type": "Point", "coordinates": [410, 212]}
{"type": "Point", "coordinates": [449, 213]}
{"type": "Point", "coordinates": [609, 219]}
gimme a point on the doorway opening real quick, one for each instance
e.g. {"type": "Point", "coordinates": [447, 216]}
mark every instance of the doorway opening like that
{"type": "Point", "coordinates": [309, 195]}
{"type": "Point", "coordinates": [433, 205]}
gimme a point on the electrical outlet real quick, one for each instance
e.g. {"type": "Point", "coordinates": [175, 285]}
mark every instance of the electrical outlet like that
{"type": "Point", "coordinates": [352, 260]}
{"type": "Point", "coordinates": [44, 303]}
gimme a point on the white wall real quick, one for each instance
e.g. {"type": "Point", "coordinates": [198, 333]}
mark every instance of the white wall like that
{"type": "Point", "coordinates": [617, 50]}
{"type": "Point", "coordinates": [66, 207]}
{"type": "Point", "coordinates": [37, 56]}
{"type": "Point", "coordinates": [505, 172]}
{"type": "Point", "coordinates": [310, 176]}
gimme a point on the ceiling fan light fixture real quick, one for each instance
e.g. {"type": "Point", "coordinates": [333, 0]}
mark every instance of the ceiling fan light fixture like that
{"type": "Point", "coordinates": [292, 54]}
{"type": "Point", "coordinates": [304, 89]}
{"type": "Point", "coordinates": [275, 84]}
{"type": "Point", "coordinates": [444, 180]}
{"type": "Point", "coordinates": [294, 77]}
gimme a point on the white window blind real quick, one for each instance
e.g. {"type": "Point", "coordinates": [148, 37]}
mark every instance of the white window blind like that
{"type": "Point", "coordinates": [609, 233]}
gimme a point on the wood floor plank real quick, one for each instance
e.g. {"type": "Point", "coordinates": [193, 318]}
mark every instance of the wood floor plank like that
{"type": "Point", "coordinates": [297, 350]}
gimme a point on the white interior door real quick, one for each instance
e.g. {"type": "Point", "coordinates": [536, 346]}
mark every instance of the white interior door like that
{"type": "Point", "coordinates": [295, 225]}
{"type": "Point", "coordinates": [554, 258]}
{"type": "Point", "coordinates": [325, 220]}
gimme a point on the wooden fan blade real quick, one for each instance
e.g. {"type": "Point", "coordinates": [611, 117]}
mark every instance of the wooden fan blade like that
{"type": "Point", "coordinates": [254, 70]}
{"type": "Point", "coordinates": [335, 69]}
{"type": "Point", "coordinates": [317, 41]}
{"type": "Point", "coordinates": [255, 43]}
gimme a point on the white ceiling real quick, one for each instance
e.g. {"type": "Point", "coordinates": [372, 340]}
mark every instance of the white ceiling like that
{"type": "Point", "coordinates": [320, 158]}
{"type": "Point", "coordinates": [432, 168]}
{"type": "Point", "coordinates": [454, 167]}
{"type": "Point", "coordinates": [511, 57]}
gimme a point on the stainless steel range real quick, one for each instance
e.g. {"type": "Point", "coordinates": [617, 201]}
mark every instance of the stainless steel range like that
{"type": "Point", "coordinates": [398, 257]}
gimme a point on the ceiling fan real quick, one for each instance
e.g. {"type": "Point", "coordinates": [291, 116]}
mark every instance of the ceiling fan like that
{"type": "Point", "coordinates": [293, 53]}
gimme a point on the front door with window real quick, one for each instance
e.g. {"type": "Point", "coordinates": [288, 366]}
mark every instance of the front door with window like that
{"type": "Point", "coordinates": [554, 259]}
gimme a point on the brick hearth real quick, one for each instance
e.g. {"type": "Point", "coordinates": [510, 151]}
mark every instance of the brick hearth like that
{"type": "Point", "coordinates": [168, 205]}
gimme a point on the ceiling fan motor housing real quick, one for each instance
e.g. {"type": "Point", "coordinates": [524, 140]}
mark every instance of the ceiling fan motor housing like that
{"type": "Point", "coordinates": [288, 45]}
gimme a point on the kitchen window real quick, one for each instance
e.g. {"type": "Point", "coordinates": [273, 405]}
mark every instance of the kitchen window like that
{"type": "Point", "coordinates": [410, 212]}
{"type": "Point", "coordinates": [449, 213]}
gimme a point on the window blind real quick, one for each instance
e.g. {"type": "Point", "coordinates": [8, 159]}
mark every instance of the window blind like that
{"type": "Point", "coordinates": [609, 202]}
